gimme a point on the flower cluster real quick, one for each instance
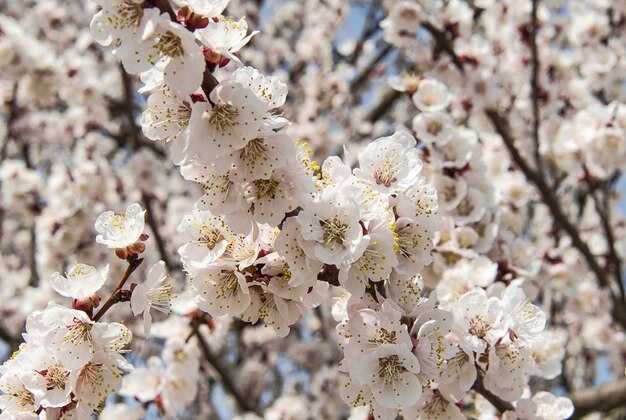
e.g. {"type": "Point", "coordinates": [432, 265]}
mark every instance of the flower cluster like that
{"type": "Point", "coordinates": [463, 250]}
{"type": "Point", "coordinates": [70, 362]}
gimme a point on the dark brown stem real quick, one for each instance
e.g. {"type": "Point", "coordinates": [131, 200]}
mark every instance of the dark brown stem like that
{"type": "Point", "coordinates": [602, 399]}
{"type": "Point", "coordinates": [535, 84]}
{"type": "Point", "coordinates": [494, 400]}
{"type": "Point", "coordinates": [384, 105]}
{"type": "Point", "coordinates": [370, 26]}
{"type": "Point", "coordinates": [165, 7]}
{"type": "Point", "coordinates": [147, 204]}
{"type": "Point", "coordinates": [329, 274]}
{"type": "Point", "coordinates": [225, 379]}
{"type": "Point", "coordinates": [444, 42]}
{"type": "Point", "coordinates": [10, 119]}
{"type": "Point", "coordinates": [603, 207]}
{"type": "Point", "coordinates": [560, 218]}
{"type": "Point", "coordinates": [129, 109]}
{"type": "Point", "coordinates": [133, 264]}
{"type": "Point", "coordinates": [33, 281]}
{"type": "Point", "coordinates": [362, 77]}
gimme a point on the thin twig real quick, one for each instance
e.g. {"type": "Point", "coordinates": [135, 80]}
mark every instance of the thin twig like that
{"type": "Point", "coordinates": [387, 100]}
{"type": "Point", "coordinates": [370, 26]}
{"type": "Point", "coordinates": [362, 77]}
{"type": "Point", "coordinates": [129, 109]}
{"type": "Point", "coordinates": [603, 207]}
{"type": "Point", "coordinates": [133, 264]}
{"type": "Point", "coordinates": [226, 381]}
{"type": "Point", "coordinates": [494, 400]}
{"type": "Point", "coordinates": [560, 218]}
{"type": "Point", "coordinates": [534, 81]}
{"type": "Point", "coordinates": [444, 42]}
{"type": "Point", "coordinates": [11, 116]}
{"type": "Point", "coordinates": [601, 399]}
{"type": "Point", "coordinates": [147, 204]}
{"type": "Point", "coordinates": [33, 280]}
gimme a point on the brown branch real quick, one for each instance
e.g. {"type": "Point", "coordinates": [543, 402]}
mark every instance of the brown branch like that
{"type": "Point", "coordinates": [388, 99]}
{"type": "Point", "coordinates": [494, 400]}
{"type": "Point", "coordinates": [534, 81]}
{"type": "Point", "coordinates": [11, 117]}
{"type": "Point", "coordinates": [601, 399]}
{"type": "Point", "coordinates": [329, 274]}
{"type": "Point", "coordinates": [225, 378]}
{"type": "Point", "coordinates": [147, 204]}
{"type": "Point", "coordinates": [133, 263]}
{"type": "Point", "coordinates": [165, 7]}
{"type": "Point", "coordinates": [128, 108]}
{"type": "Point", "coordinates": [33, 280]}
{"type": "Point", "coordinates": [603, 207]}
{"type": "Point", "coordinates": [370, 26]}
{"type": "Point", "coordinates": [362, 77]}
{"type": "Point", "coordinates": [444, 42]}
{"type": "Point", "coordinates": [560, 218]}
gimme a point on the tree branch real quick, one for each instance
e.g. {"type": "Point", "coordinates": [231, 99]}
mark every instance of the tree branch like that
{"type": "Point", "coordinates": [603, 207]}
{"type": "Point", "coordinates": [11, 116]}
{"type": "Point", "coordinates": [560, 218]}
{"type": "Point", "coordinates": [601, 399]}
{"type": "Point", "coordinates": [386, 102]}
{"type": "Point", "coordinates": [534, 81]}
{"type": "Point", "coordinates": [133, 264]}
{"type": "Point", "coordinates": [494, 400]}
{"type": "Point", "coordinates": [362, 77]}
{"type": "Point", "coordinates": [147, 204]}
{"type": "Point", "coordinates": [226, 381]}
{"type": "Point", "coordinates": [443, 42]}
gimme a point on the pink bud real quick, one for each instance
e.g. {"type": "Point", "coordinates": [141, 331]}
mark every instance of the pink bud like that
{"type": "Point", "coordinates": [121, 253]}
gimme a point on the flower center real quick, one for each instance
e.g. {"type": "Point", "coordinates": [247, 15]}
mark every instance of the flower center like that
{"type": "Point", "coordinates": [223, 116]}
{"type": "Point", "coordinates": [253, 151]}
{"type": "Point", "coordinates": [405, 242]}
{"type": "Point", "coordinates": [390, 368]}
{"type": "Point", "coordinates": [434, 127]}
{"type": "Point", "coordinates": [160, 298]}
{"type": "Point", "coordinates": [78, 332]}
{"type": "Point", "coordinates": [56, 378]}
{"type": "Point", "coordinates": [265, 188]}
{"type": "Point", "coordinates": [92, 374]}
{"type": "Point", "coordinates": [170, 45]}
{"type": "Point", "coordinates": [228, 285]}
{"type": "Point", "coordinates": [385, 174]}
{"type": "Point", "coordinates": [334, 231]}
{"type": "Point", "coordinates": [382, 336]}
{"type": "Point", "coordinates": [465, 207]}
{"type": "Point", "coordinates": [128, 14]}
{"type": "Point", "coordinates": [210, 236]}
{"type": "Point", "coordinates": [478, 326]}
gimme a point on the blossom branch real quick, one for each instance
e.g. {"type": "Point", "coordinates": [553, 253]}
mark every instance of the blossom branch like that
{"type": "Point", "coordinates": [226, 381]}
{"type": "Point", "coordinates": [388, 99]}
{"type": "Point", "coordinates": [535, 83]}
{"type": "Point", "coordinates": [362, 77]}
{"type": "Point", "coordinates": [444, 42]}
{"type": "Point", "coordinates": [133, 263]}
{"type": "Point", "coordinates": [147, 204]}
{"type": "Point", "coordinates": [603, 208]}
{"type": "Point", "coordinates": [11, 116]}
{"type": "Point", "coordinates": [494, 400]}
{"type": "Point", "coordinates": [370, 26]}
{"type": "Point", "coordinates": [601, 399]}
{"type": "Point", "coordinates": [129, 109]}
{"type": "Point", "coordinates": [502, 127]}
